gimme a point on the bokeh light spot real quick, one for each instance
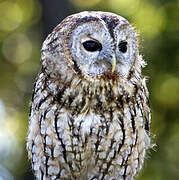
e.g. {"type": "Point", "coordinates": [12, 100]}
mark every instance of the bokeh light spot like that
{"type": "Point", "coordinates": [17, 48]}
{"type": "Point", "coordinates": [150, 20]}
{"type": "Point", "coordinates": [168, 92]}
{"type": "Point", "coordinates": [10, 16]}
{"type": "Point", "coordinates": [10, 150]}
{"type": "Point", "coordinates": [31, 10]}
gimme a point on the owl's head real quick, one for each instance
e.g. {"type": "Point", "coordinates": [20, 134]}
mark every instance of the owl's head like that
{"type": "Point", "coordinates": [94, 45]}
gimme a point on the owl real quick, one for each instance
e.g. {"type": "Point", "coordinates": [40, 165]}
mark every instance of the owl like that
{"type": "Point", "coordinates": [90, 114]}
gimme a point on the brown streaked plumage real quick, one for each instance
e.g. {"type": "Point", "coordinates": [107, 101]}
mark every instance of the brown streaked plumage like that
{"type": "Point", "coordinates": [86, 121]}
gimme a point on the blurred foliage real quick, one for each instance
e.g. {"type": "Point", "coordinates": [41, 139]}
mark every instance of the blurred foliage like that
{"type": "Point", "coordinates": [21, 36]}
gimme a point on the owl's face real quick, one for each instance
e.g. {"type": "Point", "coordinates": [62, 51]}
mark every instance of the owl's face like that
{"type": "Point", "coordinates": [103, 45]}
{"type": "Point", "coordinates": [95, 45]}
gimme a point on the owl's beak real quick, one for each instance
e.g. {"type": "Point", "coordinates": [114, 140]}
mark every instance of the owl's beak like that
{"type": "Point", "coordinates": [113, 63]}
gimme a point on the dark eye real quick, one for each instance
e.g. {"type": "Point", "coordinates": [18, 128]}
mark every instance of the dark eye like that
{"type": "Point", "coordinates": [92, 46]}
{"type": "Point", "coordinates": [123, 46]}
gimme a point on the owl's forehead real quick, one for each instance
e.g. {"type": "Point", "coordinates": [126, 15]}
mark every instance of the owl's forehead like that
{"type": "Point", "coordinates": [109, 20]}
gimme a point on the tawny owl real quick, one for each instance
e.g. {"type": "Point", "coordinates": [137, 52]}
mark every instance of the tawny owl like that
{"type": "Point", "coordinates": [89, 116]}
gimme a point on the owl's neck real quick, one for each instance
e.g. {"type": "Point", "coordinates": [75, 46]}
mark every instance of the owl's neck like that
{"type": "Point", "coordinates": [91, 95]}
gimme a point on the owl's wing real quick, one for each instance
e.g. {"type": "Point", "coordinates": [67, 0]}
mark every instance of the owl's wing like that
{"type": "Point", "coordinates": [44, 141]}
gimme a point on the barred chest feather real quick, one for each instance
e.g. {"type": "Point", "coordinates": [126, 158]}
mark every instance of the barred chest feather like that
{"type": "Point", "coordinates": [85, 130]}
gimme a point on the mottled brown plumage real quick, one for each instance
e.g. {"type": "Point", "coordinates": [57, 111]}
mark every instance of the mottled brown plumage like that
{"type": "Point", "coordinates": [90, 117]}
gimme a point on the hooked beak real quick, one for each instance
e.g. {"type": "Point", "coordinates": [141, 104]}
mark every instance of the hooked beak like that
{"type": "Point", "coordinates": [113, 63]}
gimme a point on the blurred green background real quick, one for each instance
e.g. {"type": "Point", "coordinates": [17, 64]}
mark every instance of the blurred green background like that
{"type": "Point", "coordinates": [24, 24]}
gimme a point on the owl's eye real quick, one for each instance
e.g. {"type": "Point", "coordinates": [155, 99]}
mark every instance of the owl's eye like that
{"type": "Point", "coordinates": [123, 46]}
{"type": "Point", "coordinates": [92, 46]}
